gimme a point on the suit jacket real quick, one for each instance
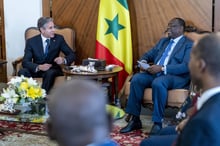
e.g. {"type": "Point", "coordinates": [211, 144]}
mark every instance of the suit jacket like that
{"type": "Point", "coordinates": [34, 52]}
{"type": "Point", "coordinates": [179, 59]}
{"type": "Point", "coordinates": [203, 129]}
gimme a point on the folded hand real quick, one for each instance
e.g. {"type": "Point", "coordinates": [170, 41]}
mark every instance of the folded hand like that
{"type": "Point", "coordinates": [153, 69]}
{"type": "Point", "coordinates": [44, 67]}
{"type": "Point", "coordinates": [59, 60]}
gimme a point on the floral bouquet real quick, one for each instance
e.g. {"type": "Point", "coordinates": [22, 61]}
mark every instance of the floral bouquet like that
{"type": "Point", "coordinates": [22, 91]}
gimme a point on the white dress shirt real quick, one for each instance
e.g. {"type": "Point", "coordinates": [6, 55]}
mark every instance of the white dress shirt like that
{"type": "Point", "coordinates": [207, 95]}
{"type": "Point", "coordinates": [175, 41]}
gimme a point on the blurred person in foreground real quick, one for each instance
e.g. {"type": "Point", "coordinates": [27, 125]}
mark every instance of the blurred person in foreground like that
{"type": "Point", "coordinates": [203, 128]}
{"type": "Point", "coordinates": [168, 135]}
{"type": "Point", "coordinates": [78, 115]}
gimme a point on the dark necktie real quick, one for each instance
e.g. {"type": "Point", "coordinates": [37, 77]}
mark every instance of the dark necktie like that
{"type": "Point", "coordinates": [47, 47]}
{"type": "Point", "coordinates": [165, 53]}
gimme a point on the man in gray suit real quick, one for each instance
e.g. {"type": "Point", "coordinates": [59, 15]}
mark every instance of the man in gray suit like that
{"type": "Point", "coordinates": [170, 58]}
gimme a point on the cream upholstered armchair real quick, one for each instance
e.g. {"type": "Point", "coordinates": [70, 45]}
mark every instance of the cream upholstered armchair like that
{"type": "Point", "coordinates": [67, 33]}
{"type": "Point", "coordinates": [176, 97]}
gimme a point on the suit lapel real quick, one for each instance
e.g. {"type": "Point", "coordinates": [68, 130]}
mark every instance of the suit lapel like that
{"type": "Point", "coordinates": [52, 44]}
{"type": "Point", "coordinates": [163, 47]}
{"type": "Point", "coordinates": [177, 47]}
{"type": "Point", "coordinates": [41, 46]}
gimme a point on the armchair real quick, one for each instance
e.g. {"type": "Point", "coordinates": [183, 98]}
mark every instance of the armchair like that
{"type": "Point", "coordinates": [67, 33]}
{"type": "Point", "coordinates": [176, 97]}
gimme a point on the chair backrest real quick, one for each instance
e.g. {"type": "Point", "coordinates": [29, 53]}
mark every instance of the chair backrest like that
{"type": "Point", "coordinates": [67, 33]}
{"type": "Point", "coordinates": [196, 36]}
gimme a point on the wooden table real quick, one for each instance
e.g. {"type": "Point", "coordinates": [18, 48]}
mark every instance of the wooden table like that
{"type": "Point", "coordinates": [22, 119]}
{"type": "Point", "coordinates": [99, 76]}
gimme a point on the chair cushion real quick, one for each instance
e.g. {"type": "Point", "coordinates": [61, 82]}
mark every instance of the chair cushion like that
{"type": "Point", "coordinates": [175, 96]}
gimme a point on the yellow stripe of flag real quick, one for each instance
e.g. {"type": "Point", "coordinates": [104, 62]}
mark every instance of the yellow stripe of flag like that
{"type": "Point", "coordinates": [114, 31]}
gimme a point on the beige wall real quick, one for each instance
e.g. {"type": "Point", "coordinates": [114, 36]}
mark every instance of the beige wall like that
{"type": "Point", "coordinates": [18, 15]}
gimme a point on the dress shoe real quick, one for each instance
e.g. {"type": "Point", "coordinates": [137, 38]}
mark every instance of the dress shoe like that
{"type": "Point", "coordinates": [132, 125]}
{"type": "Point", "coordinates": [155, 129]}
{"type": "Point", "coordinates": [128, 118]}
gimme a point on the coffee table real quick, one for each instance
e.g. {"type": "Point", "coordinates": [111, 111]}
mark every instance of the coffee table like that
{"type": "Point", "coordinates": [99, 76]}
{"type": "Point", "coordinates": [24, 119]}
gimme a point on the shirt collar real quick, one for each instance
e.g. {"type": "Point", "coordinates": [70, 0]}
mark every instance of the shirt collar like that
{"type": "Point", "coordinates": [177, 39]}
{"type": "Point", "coordinates": [44, 38]}
{"type": "Point", "coordinates": [207, 95]}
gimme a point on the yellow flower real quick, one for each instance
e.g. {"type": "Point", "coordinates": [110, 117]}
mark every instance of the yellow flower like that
{"type": "Point", "coordinates": [38, 120]}
{"type": "Point", "coordinates": [21, 90]}
{"type": "Point", "coordinates": [31, 93]}
{"type": "Point", "coordinates": [38, 92]}
{"type": "Point", "coordinates": [24, 85]}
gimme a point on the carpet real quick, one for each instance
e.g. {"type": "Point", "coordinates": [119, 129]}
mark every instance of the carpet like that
{"type": "Point", "coordinates": [10, 138]}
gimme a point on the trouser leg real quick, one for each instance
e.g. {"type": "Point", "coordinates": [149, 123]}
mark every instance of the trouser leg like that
{"type": "Point", "coordinates": [138, 84]}
{"type": "Point", "coordinates": [49, 78]}
{"type": "Point", "coordinates": [159, 95]}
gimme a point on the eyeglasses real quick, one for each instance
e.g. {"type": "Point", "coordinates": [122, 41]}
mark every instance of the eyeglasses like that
{"type": "Point", "coordinates": [172, 26]}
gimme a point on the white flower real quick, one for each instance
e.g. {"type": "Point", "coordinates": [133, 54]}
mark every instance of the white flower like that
{"type": "Point", "coordinates": [32, 82]}
{"type": "Point", "coordinates": [21, 90]}
{"type": "Point", "coordinates": [15, 80]}
{"type": "Point", "coordinates": [7, 93]}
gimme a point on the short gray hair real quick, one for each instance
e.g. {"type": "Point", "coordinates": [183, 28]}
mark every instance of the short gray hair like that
{"type": "Point", "coordinates": [42, 21]}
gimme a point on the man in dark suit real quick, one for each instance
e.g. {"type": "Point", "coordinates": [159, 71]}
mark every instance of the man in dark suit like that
{"type": "Point", "coordinates": [41, 58]}
{"type": "Point", "coordinates": [78, 115]}
{"type": "Point", "coordinates": [168, 135]}
{"type": "Point", "coordinates": [203, 128]}
{"type": "Point", "coordinates": [169, 71]}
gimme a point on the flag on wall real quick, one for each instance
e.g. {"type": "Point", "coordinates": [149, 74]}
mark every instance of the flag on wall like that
{"type": "Point", "coordinates": [113, 40]}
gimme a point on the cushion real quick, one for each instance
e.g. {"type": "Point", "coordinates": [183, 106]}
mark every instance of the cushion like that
{"type": "Point", "coordinates": [175, 96]}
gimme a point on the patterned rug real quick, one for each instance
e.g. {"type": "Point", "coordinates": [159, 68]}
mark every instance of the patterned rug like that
{"type": "Point", "coordinates": [9, 138]}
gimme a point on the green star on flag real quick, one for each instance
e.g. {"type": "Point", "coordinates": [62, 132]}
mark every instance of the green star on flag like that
{"type": "Point", "coordinates": [113, 39]}
{"type": "Point", "coordinates": [123, 3]}
{"type": "Point", "coordinates": [113, 26]}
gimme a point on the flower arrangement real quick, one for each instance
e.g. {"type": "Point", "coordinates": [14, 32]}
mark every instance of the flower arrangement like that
{"type": "Point", "coordinates": [21, 90]}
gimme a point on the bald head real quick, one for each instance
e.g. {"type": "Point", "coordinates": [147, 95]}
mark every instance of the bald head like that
{"type": "Point", "coordinates": [208, 49]}
{"type": "Point", "coordinates": [204, 62]}
{"type": "Point", "coordinates": [77, 112]}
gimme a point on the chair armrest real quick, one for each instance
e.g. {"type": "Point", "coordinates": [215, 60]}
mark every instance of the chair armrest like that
{"type": "Point", "coordinates": [16, 64]}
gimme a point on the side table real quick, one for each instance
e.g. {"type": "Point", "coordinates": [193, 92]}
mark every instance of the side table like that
{"type": "Point", "coordinates": [100, 76]}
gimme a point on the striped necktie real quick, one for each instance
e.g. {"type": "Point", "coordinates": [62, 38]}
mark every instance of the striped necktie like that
{"type": "Point", "coordinates": [47, 47]}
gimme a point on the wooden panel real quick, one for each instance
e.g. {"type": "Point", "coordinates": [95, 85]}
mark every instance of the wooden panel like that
{"type": "Point", "coordinates": [149, 19]}
{"type": "Point", "coordinates": [46, 7]}
{"type": "Point", "coordinates": [3, 68]}
{"type": "Point", "coordinates": [82, 16]}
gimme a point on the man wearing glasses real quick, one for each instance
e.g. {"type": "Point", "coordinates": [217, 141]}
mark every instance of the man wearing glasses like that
{"type": "Point", "coordinates": [170, 58]}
